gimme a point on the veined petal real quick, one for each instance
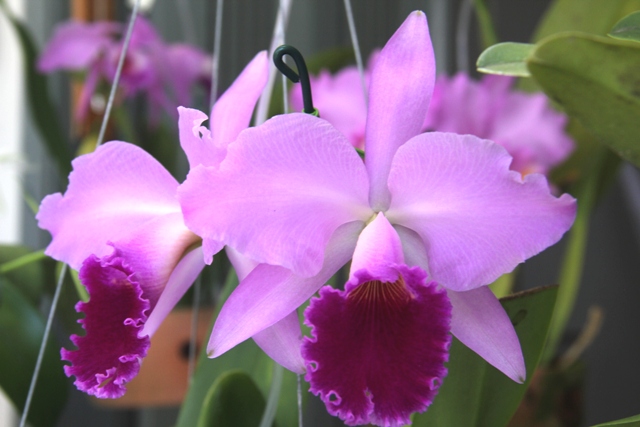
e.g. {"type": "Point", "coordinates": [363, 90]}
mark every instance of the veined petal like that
{"type": "Point", "coordinates": [401, 86]}
{"type": "Point", "coordinates": [281, 341]}
{"type": "Point", "coordinates": [480, 323]}
{"type": "Point", "coordinates": [477, 218]}
{"type": "Point", "coordinates": [180, 280]}
{"type": "Point", "coordinates": [270, 293]}
{"type": "Point", "coordinates": [232, 112]}
{"type": "Point", "coordinates": [378, 348]}
{"type": "Point", "coordinates": [111, 193]}
{"type": "Point", "coordinates": [280, 193]}
{"type": "Point", "coordinates": [110, 353]}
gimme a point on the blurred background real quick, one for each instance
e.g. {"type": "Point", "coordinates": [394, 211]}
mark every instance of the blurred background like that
{"type": "Point", "coordinates": [612, 385]}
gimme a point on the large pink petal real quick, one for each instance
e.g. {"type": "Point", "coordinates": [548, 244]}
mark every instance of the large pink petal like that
{"type": "Point", "coordinates": [401, 86]}
{"type": "Point", "coordinates": [477, 219]}
{"type": "Point", "coordinates": [270, 293]}
{"type": "Point", "coordinates": [480, 323]}
{"type": "Point", "coordinates": [232, 112]}
{"type": "Point", "coordinates": [111, 193]}
{"type": "Point", "coordinates": [180, 280]}
{"type": "Point", "coordinates": [281, 341]}
{"type": "Point", "coordinates": [280, 193]}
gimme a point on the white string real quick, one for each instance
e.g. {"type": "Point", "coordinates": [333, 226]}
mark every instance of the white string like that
{"type": "Point", "coordinates": [462, 36]}
{"type": "Point", "coordinates": [215, 67]}
{"type": "Point", "coordinates": [299, 401]}
{"type": "Point", "coordinates": [194, 328]}
{"type": "Point", "coordinates": [43, 345]}
{"type": "Point", "coordinates": [274, 395]}
{"type": "Point", "coordinates": [276, 40]}
{"type": "Point", "coordinates": [356, 48]}
{"type": "Point", "coordinates": [116, 78]}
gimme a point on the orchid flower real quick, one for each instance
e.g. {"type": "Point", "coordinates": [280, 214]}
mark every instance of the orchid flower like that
{"type": "Point", "coordinates": [523, 123]}
{"type": "Point", "coordinates": [294, 196]}
{"type": "Point", "coordinates": [166, 73]}
{"type": "Point", "coordinates": [120, 224]}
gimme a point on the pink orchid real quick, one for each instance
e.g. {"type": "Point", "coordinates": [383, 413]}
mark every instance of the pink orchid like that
{"type": "Point", "coordinates": [165, 73]}
{"type": "Point", "coordinates": [121, 225]}
{"type": "Point", "coordinates": [531, 131]}
{"type": "Point", "coordinates": [294, 196]}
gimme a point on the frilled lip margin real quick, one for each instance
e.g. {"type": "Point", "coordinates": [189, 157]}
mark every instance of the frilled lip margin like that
{"type": "Point", "coordinates": [378, 349]}
{"type": "Point", "coordinates": [110, 353]}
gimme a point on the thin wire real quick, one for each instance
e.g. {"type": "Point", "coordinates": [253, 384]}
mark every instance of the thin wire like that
{"type": "Point", "coordinates": [276, 40]}
{"type": "Point", "coordinates": [356, 48]}
{"type": "Point", "coordinates": [43, 345]}
{"type": "Point", "coordinates": [194, 328]}
{"type": "Point", "coordinates": [274, 395]}
{"type": "Point", "coordinates": [116, 78]}
{"type": "Point", "coordinates": [299, 401]}
{"type": "Point", "coordinates": [462, 36]}
{"type": "Point", "coordinates": [217, 38]}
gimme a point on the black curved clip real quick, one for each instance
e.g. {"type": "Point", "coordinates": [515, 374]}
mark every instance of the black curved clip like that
{"type": "Point", "coordinates": [301, 76]}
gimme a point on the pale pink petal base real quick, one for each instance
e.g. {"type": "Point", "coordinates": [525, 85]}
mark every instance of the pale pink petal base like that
{"type": "Point", "coordinates": [378, 349]}
{"type": "Point", "coordinates": [110, 353]}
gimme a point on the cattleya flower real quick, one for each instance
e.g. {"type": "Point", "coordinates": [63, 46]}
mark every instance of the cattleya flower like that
{"type": "Point", "coordinates": [166, 73]}
{"type": "Point", "coordinates": [429, 220]}
{"type": "Point", "coordinates": [523, 123]}
{"type": "Point", "coordinates": [120, 224]}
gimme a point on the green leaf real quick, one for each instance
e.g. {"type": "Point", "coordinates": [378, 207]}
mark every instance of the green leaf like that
{"type": "Point", "coordinates": [628, 28]}
{"type": "Point", "coordinates": [21, 331]}
{"type": "Point", "coordinates": [487, 29]}
{"type": "Point", "coordinates": [490, 398]}
{"type": "Point", "coordinates": [597, 82]}
{"type": "Point", "coordinates": [233, 400]}
{"type": "Point", "coordinates": [45, 115]}
{"type": "Point", "coordinates": [628, 422]}
{"type": "Point", "coordinates": [589, 16]}
{"type": "Point", "coordinates": [506, 59]}
{"type": "Point", "coordinates": [26, 269]}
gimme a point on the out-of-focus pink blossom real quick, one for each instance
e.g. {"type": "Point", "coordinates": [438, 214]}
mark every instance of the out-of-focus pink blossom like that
{"type": "Point", "coordinates": [166, 73]}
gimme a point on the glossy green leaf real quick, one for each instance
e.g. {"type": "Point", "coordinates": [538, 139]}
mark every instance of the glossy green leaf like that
{"type": "Point", "coordinates": [490, 398]}
{"type": "Point", "coordinates": [42, 109]}
{"type": "Point", "coordinates": [628, 28]}
{"type": "Point", "coordinates": [21, 330]}
{"type": "Point", "coordinates": [507, 59]}
{"type": "Point", "coordinates": [596, 80]}
{"type": "Point", "coordinates": [627, 422]}
{"type": "Point", "coordinates": [233, 400]}
{"type": "Point", "coordinates": [589, 16]}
